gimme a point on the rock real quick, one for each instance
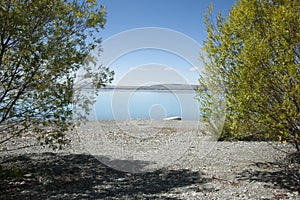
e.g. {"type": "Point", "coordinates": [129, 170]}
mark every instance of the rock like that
{"type": "Point", "coordinates": [162, 176]}
{"type": "Point", "coordinates": [203, 172]}
{"type": "Point", "coordinates": [27, 175]}
{"type": "Point", "coordinates": [215, 177]}
{"type": "Point", "coordinates": [22, 183]}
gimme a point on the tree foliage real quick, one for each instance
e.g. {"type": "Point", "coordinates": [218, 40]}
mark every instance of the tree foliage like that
{"type": "Point", "coordinates": [43, 44]}
{"type": "Point", "coordinates": [253, 56]}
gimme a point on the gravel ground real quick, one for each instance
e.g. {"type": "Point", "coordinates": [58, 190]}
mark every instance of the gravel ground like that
{"type": "Point", "coordinates": [143, 159]}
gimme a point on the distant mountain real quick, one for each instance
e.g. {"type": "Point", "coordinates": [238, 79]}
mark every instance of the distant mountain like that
{"type": "Point", "coordinates": [156, 87]}
{"type": "Point", "coordinates": [169, 87]}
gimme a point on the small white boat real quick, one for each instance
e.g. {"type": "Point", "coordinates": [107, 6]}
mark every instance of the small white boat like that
{"type": "Point", "coordinates": [173, 118]}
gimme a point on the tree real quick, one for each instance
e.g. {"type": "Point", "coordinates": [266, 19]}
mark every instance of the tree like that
{"type": "Point", "coordinates": [43, 44]}
{"type": "Point", "coordinates": [253, 55]}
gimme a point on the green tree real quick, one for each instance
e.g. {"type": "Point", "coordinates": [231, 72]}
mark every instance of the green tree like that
{"type": "Point", "coordinates": [253, 57]}
{"type": "Point", "coordinates": [43, 44]}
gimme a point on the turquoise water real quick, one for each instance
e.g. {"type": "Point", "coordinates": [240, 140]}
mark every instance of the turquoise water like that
{"type": "Point", "coordinates": [118, 104]}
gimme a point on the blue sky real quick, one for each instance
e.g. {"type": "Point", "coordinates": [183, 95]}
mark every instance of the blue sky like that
{"type": "Point", "coordinates": [181, 17]}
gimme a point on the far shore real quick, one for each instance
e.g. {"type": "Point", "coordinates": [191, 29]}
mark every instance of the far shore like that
{"type": "Point", "coordinates": [150, 87]}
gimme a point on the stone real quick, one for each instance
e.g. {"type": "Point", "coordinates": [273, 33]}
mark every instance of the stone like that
{"type": "Point", "coordinates": [27, 175]}
{"type": "Point", "coordinates": [203, 172]}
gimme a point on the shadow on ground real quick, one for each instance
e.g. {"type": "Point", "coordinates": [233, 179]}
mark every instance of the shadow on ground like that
{"type": "Point", "coordinates": [80, 176]}
{"type": "Point", "coordinates": [283, 174]}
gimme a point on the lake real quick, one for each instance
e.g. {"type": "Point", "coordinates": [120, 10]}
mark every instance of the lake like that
{"type": "Point", "coordinates": [122, 104]}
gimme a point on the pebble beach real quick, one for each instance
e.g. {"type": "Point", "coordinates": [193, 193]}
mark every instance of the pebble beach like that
{"type": "Point", "coordinates": [150, 159]}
